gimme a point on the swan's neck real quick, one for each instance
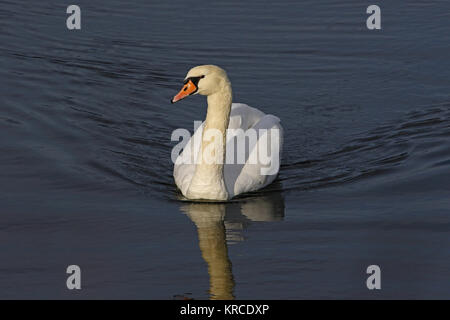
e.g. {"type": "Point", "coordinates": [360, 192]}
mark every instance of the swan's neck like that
{"type": "Point", "coordinates": [208, 181]}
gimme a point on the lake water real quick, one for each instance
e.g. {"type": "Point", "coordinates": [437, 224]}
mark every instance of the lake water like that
{"type": "Point", "coordinates": [85, 169]}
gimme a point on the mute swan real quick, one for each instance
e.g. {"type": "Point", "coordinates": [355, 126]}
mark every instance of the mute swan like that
{"type": "Point", "coordinates": [244, 158]}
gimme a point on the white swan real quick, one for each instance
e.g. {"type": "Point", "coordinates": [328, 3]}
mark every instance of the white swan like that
{"type": "Point", "coordinates": [209, 174]}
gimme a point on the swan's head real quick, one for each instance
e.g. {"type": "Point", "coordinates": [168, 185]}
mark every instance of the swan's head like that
{"type": "Point", "coordinates": [204, 80]}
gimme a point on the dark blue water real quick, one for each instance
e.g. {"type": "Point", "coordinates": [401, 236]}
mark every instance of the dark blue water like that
{"type": "Point", "coordinates": [86, 175]}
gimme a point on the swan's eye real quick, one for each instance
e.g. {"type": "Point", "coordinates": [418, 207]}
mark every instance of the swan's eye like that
{"type": "Point", "coordinates": [194, 80]}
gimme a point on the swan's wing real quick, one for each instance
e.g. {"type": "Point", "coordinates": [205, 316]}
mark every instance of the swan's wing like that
{"type": "Point", "coordinates": [262, 158]}
{"type": "Point", "coordinates": [184, 167]}
{"type": "Point", "coordinates": [243, 116]}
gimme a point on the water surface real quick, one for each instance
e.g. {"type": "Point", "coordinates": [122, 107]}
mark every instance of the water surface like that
{"type": "Point", "coordinates": [86, 176]}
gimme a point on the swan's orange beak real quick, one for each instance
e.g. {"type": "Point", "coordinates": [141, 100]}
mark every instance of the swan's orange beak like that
{"type": "Point", "coordinates": [188, 89]}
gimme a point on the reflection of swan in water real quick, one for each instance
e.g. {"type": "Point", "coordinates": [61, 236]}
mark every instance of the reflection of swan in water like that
{"type": "Point", "coordinates": [217, 222]}
{"type": "Point", "coordinates": [211, 238]}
